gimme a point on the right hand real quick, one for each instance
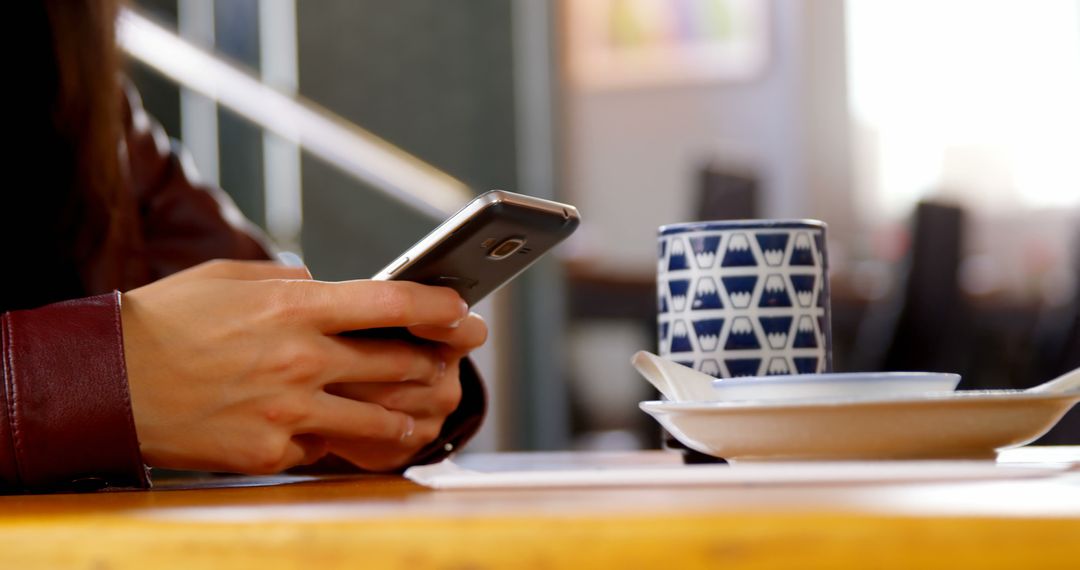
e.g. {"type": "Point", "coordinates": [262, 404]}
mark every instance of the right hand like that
{"type": "Point", "coordinates": [227, 363]}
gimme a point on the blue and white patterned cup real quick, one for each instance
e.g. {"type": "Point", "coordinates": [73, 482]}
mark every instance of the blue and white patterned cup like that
{"type": "Point", "coordinates": [745, 297]}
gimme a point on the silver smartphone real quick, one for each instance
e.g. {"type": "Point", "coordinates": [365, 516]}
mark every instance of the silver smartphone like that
{"type": "Point", "coordinates": [485, 244]}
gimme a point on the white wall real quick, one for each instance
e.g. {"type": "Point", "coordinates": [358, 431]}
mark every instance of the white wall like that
{"type": "Point", "coordinates": [632, 156]}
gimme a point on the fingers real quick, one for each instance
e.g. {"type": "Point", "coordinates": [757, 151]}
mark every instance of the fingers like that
{"type": "Point", "coordinates": [339, 417]}
{"type": "Point", "coordinates": [376, 456]}
{"type": "Point", "coordinates": [353, 305]}
{"type": "Point", "coordinates": [438, 399]}
{"type": "Point", "coordinates": [380, 456]}
{"type": "Point", "coordinates": [357, 360]}
{"type": "Point", "coordinates": [274, 455]}
{"type": "Point", "coordinates": [307, 449]}
{"type": "Point", "coordinates": [428, 405]}
{"type": "Point", "coordinates": [469, 334]}
{"type": "Point", "coordinates": [246, 270]}
{"type": "Point", "coordinates": [342, 306]}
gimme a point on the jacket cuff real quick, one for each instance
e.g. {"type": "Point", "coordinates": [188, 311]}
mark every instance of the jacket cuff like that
{"type": "Point", "coordinates": [66, 404]}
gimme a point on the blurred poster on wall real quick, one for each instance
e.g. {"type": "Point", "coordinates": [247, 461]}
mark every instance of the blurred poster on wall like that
{"type": "Point", "coordinates": [617, 44]}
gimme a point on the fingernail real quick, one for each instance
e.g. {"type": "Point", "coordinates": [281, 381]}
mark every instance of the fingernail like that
{"type": "Point", "coordinates": [290, 259]}
{"type": "Point", "coordinates": [410, 425]}
{"type": "Point", "coordinates": [464, 315]}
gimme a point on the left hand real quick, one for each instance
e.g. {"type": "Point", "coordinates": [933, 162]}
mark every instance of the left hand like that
{"type": "Point", "coordinates": [430, 402]}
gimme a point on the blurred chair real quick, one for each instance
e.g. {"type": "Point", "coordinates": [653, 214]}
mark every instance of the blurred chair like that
{"type": "Point", "coordinates": [925, 323]}
{"type": "Point", "coordinates": [1057, 351]}
{"type": "Point", "coordinates": [727, 192]}
{"type": "Point", "coordinates": [1057, 335]}
{"type": "Point", "coordinates": [723, 193]}
{"type": "Point", "coordinates": [1060, 353]}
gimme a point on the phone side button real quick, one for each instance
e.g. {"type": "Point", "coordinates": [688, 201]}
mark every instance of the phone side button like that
{"type": "Point", "coordinates": [399, 265]}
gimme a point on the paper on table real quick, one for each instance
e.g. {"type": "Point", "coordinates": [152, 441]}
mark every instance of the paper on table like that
{"type": "Point", "coordinates": [449, 475]}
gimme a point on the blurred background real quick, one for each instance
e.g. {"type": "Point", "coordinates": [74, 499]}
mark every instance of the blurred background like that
{"type": "Point", "coordinates": [938, 139]}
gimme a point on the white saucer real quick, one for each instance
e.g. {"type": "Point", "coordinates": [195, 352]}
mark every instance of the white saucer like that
{"type": "Point", "coordinates": [966, 424]}
{"type": "Point", "coordinates": [681, 383]}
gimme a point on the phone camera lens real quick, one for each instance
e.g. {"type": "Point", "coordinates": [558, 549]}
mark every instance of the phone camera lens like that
{"type": "Point", "coordinates": [506, 248]}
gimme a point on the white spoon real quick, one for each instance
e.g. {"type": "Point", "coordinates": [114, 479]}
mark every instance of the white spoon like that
{"type": "Point", "coordinates": [1066, 383]}
{"type": "Point", "coordinates": [692, 386]}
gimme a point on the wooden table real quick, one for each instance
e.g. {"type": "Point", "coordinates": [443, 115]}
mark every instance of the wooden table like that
{"type": "Point", "coordinates": [389, 522]}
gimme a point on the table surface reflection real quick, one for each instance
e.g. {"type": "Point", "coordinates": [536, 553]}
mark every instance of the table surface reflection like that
{"type": "Point", "coordinates": [381, 521]}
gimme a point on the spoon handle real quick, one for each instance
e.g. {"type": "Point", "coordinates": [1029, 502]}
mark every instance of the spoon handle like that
{"type": "Point", "coordinates": [645, 363]}
{"type": "Point", "coordinates": [1066, 383]}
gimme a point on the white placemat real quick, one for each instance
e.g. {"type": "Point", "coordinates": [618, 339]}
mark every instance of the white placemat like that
{"type": "Point", "coordinates": [526, 474]}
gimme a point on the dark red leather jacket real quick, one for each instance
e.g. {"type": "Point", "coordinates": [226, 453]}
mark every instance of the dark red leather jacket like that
{"type": "Point", "coordinates": [65, 413]}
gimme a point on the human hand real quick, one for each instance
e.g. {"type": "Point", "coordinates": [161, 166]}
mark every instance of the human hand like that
{"type": "Point", "coordinates": [227, 363]}
{"type": "Point", "coordinates": [429, 401]}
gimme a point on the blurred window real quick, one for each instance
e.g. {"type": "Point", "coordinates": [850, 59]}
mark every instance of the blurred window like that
{"type": "Point", "coordinates": [973, 100]}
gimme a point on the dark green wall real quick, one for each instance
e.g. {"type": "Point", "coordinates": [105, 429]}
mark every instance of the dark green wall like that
{"type": "Point", "coordinates": [431, 76]}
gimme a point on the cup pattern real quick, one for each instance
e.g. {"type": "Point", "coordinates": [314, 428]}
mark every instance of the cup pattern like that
{"type": "Point", "coordinates": [744, 301]}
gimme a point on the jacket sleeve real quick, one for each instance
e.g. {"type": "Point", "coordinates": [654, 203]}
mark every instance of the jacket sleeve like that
{"type": "Point", "coordinates": [65, 412]}
{"type": "Point", "coordinates": [183, 222]}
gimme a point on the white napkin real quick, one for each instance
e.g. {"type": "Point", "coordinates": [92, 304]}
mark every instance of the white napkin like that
{"type": "Point", "coordinates": [534, 474]}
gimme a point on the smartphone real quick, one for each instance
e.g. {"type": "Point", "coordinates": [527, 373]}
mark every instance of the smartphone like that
{"type": "Point", "coordinates": [485, 244]}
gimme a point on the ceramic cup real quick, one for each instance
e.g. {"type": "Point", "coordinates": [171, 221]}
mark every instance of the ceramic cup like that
{"type": "Point", "coordinates": [745, 297]}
